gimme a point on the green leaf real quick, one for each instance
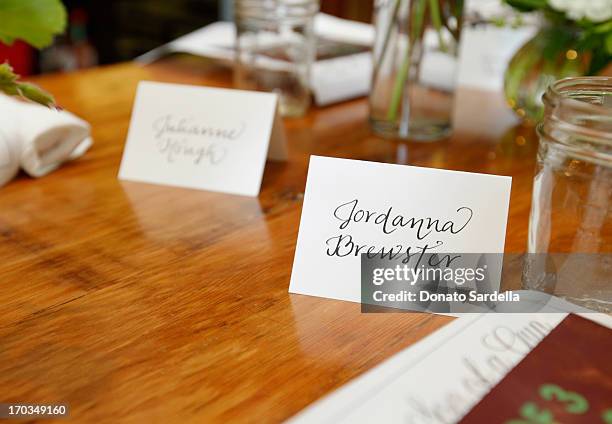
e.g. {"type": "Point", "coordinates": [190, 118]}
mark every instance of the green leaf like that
{"type": "Point", "coordinates": [10, 85]}
{"type": "Point", "coordinates": [604, 27]}
{"type": "Point", "coordinates": [6, 39]}
{"type": "Point", "coordinates": [35, 93]}
{"type": "Point", "coordinates": [527, 5]}
{"type": "Point", "coordinates": [34, 21]}
{"type": "Point", "coordinates": [609, 43]}
{"type": "Point", "coordinates": [7, 76]}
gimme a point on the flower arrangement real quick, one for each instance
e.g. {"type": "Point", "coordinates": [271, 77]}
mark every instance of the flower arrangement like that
{"type": "Point", "coordinates": [35, 22]}
{"type": "Point", "coordinates": [575, 40]}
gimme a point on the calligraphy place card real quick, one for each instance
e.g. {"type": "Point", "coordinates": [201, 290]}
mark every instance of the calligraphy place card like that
{"type": "Point", "coordinates": [200, 137]}
{"type": "Point", "coordinates": [352, 208]}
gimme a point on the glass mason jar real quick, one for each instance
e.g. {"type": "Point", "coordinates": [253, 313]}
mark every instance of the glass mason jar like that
{"type": "Point", "coordinates": [570, 228]}
{"type": "Point", "coordinates": [275, 48]}
{"type": "Point", "coordinates": [415, 67]}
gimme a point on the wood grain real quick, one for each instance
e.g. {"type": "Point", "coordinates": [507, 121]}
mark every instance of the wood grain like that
{"type": "Point", "coordinates": [137, 303]}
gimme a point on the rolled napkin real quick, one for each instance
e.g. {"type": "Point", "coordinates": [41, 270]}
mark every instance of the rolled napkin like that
{"type": "Point", "coordinates": [46, 137]}
{"type": "Point", "coordinates": [10, 150]}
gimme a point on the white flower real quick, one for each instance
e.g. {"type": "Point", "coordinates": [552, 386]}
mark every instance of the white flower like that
{"type": "Point", "coordinates": [561, 5]}
{"type": "Point", "coordinates": [594, 10]}
{"type": "Point", "coordinates": [599, 10]}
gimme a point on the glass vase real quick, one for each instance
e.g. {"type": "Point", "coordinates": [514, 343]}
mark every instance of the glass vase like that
{"type": "Point", "coordinates": [570, 227]}
{"type": "Point", "coordinates": [553, 53]}
{"type": "Point", "coordinates": [275, 48]}
{"type": "Point", "coordinates": [415, 67]}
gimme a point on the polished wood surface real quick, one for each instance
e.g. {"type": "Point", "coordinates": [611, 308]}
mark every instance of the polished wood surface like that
{"type": "Point", "coordinates": [140, 303]}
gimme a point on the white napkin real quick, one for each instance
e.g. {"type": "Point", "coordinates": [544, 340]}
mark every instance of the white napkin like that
{"type": "Point", "coordinates": [41, 138]}
{"type": "Point", "coordinates": [10, 150]}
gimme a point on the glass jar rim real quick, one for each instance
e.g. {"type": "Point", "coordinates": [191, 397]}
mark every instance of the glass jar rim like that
{"type": "Point", "coordinates": [583, 96]}
{"type": "Point", "coordinates": [274, 9]}
{"type": "Point", "coordinates": [561, 87]}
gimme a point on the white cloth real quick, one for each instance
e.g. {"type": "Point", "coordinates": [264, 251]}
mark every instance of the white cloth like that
{"type": "Point", "coordinates": [10, 151]}
{"type": "Point", "coordinates": [40, 138]}
{"type": "Point", "coordinates": [10, 148]}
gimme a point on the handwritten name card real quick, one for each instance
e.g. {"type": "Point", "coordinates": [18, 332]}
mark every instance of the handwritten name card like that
{"type": "Point", "coordinates": [203, 138]}
{"type": "Point", "coordinates": [355, 207]}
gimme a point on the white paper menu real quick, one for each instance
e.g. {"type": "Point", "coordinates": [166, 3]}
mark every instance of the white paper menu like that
{"type": "Point", "coordinates": [440, 378]}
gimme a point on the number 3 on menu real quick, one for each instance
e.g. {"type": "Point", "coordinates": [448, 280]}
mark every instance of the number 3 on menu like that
{"type": "Point", "coordinates": [574, 404]}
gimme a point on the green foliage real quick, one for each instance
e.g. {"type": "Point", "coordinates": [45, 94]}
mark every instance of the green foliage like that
{"type": "Point", "coordinates": [10, 84]}
{"type": "Point", "coordinates": [594, 38]}
{"type": "Point", "coordinates": [34, 21]}
{"type": "Point", "coordinates": [608, 41]}
{"type": "Point", "coordinates": [527, 5]}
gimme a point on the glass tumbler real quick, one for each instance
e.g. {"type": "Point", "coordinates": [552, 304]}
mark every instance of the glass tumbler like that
{"type": "Point", "coordinates": [416, 59]}
{"type": "Point", "coordinates": [275, 49]}
{"type": "Point", "coordinates": [570, 228]}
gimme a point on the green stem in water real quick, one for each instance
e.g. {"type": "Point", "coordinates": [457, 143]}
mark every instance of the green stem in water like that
{"type": "Point", "coordinates": [383, 50]}
{"type": "Point", "coordinates": [418, 18]}
{"type": "Point", "coordinates": [402, 76]}
{"type": "Point", "coordinates": [398, 87]}
{"type": "Point", "coordinates": [436, 20]}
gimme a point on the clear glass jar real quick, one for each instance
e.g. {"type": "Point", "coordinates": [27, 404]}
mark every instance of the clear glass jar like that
{"type": "Point", "coordinates": [570, 228]}
{"type": "Point", "coordinates": [275, 49]}
{"type": "Point", "coordinates": [416, 60]}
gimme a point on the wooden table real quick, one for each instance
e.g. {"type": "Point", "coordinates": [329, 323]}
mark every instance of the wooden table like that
{"type": "Point", "coordinates": [137, 303]}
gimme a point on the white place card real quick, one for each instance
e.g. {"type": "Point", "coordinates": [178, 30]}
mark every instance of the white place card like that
{"type": "Point", "coordinates": [353, 207]}
{"type": "Point", "coordinates": [200, 137]}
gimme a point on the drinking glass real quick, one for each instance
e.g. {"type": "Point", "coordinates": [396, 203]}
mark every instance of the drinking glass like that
{"type": "Point", "coordinates": [416, 58]}
{"type": "Point", "coordinates": [570, 228]}
{"type": "Point", "coordinates": [275, 48]}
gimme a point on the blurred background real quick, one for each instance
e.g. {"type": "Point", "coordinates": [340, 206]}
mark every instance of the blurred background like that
{"type": "Point", "coordinates": [110, 31]}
